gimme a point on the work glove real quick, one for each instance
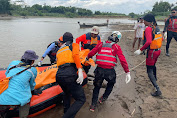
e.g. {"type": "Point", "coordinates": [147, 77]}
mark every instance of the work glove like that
{"type": "Point", "coordinates": [81, 76]}
{"type": "Point", "coordinates": [128, 78]}
{"type": "Point", "coordinates": [40, 63]}
{"type": "Point", "coordinates": [137, 52]}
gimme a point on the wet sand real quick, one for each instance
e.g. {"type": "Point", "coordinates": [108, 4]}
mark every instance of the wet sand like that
{"type": "Point", "coordinates": [134, 99]}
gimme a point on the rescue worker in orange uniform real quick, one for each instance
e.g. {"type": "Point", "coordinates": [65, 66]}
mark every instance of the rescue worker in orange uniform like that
{"type": "Point", "coordinates": [68, 63]}
{"type": "Point", "coordinates": [89, 41]}
{"type": "Point", "coordinates": [153, 42]}
{"type": "Point", "coordinates": [106, 59]}
{"type": "Point", "coordinates": [171, 27]}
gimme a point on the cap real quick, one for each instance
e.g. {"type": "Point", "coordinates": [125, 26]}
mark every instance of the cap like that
{"type": "Point", "coordinates": [149, 18]}
{"type": "Point", "coordinates": [95, 30]}
{"type": "Point", "coordinates": [30, 55]}
{"type": "Point", "coordinates": [67, 36]}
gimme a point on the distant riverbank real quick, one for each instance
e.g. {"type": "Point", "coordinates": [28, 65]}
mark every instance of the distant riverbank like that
{"type": "Point", "coordinates": [8, 17]}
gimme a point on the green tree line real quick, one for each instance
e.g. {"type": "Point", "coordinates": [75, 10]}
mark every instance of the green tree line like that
{"type": "Point", "coordinates": [46, 10]}
{"type": "Point", "coordinates": [4, 6]}
{"type": "Point", "coordinates": [159, 9]}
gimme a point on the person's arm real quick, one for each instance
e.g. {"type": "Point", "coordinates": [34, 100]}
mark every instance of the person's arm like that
{"type": "Point", "coordinates": [76, 57]}
{"type": "Point", "coordinates": [121, 57]}
{"type": "Point", "coordinates": [51, 47]}
{"type": "Point", "coordinates": [77, 61]}
{"type": "Point", "coordinates": [166, 25]}
{"type": "Point", "coordinates": [148, 35]}
{"type": "Point", "coordinates": [94, 50]}
{"type": "Point", "coordinates": [82, 38]}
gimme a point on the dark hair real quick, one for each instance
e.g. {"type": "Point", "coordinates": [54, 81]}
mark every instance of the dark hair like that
{"type": "Point", "coordinates": [27, 62]}
{"type": "Point", "coordinates": [138, 20]}
{"type": "Point", "coordinates": [173, 9]}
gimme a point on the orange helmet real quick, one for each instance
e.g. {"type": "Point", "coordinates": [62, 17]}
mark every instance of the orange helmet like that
{"type": "Point", "coordinates": [61, 39]}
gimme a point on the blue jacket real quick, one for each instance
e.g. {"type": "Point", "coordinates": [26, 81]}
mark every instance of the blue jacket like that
{"type": "Point", "coordinates": [20, 86]}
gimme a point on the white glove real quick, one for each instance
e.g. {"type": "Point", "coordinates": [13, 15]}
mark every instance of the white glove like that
{"type": "Point", "coordinates": [81, 76]}
{"type": "Point", "coordinates": [137, 52]}
{"type": "Point", "coordinates": [128, 78]}
{"type": "Point", "coordinates": [39, 63]}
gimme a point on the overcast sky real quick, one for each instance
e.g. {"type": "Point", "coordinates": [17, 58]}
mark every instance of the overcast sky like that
{"type": "Point", "coordinates": [115, 6]}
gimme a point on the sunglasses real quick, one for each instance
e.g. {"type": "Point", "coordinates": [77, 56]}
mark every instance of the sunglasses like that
{"type": "Point", "coordinates": [173, 12]}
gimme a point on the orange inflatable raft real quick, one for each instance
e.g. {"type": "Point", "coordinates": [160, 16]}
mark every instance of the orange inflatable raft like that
{"type": "Point", "coordinates": [47, 92]}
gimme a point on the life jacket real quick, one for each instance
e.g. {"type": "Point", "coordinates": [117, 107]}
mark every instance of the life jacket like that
{"type": "Point", "coordinates": [54, 51]}
{"type": "Point", "coordinates": [172, 26]}
{"type": "Point", "coordinates": [64, 55]}
{"type": "Point", "coordinates": [105, 56]}
{"type": "Point", "coordinates": [90, 42]}
{"type": "Point", "coordinates": [156, 42]}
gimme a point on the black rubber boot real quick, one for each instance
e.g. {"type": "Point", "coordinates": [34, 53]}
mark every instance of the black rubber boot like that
{"type": "Point", "coordinates": [167, 53]}
{"type": "Point", "coordinates": [156, 93]}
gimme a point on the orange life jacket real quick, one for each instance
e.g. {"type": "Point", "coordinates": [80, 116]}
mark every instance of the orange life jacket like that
{"type": "Point", "coordinates": [64, 55]}
{"type": "Point", "coordinates": [90, 42]}
{"type": "Point", "coordinates": [156, 42]}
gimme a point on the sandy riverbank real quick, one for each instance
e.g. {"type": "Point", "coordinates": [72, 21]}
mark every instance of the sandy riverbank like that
{"type": "Point", "coordinates": [134, 99]}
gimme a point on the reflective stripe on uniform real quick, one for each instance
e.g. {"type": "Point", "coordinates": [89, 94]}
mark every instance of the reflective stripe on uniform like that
{"type": "Point", "coordinates": [106, 61]}
{"type": "Point", "coordinates": [157, 38]}
{"type": "Point", "coordinates": [107, 55]}
{"type": "Point", "coordinates": [62, 51]}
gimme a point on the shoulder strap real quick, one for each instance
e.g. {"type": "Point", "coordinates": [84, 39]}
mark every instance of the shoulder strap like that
{"type": "Point", "coordinates": [68, 43]}
{"type": "Point", "coordinates": [19, 65]}
{"type": "Point", "coordinates": [56, 43]}
{"type": "Point", "coordinates": [88, 36]}
{"type": "Point", "coordinates": [20, 72]}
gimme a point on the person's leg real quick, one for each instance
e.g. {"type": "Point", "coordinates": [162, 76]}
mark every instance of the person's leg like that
{"type": "Point", "coordinates": [169, 37]}
{"type": "Point", "coordinates": [66, 100]}
{"type": "Point", "coordinates": [24, 111]}
{"type": "Point", "coordinates": [66, 90]}
{"type": "Point", "coordinates": [97, 85]}
{"type": "Point", "coordinates": [77, 93]}
{"type": "Point", "coordinates": [135, 39]}
{"type": "Point", "coordinates": [154, 72]}
{"type": "Point", "coordinates": [153, 80]}
{"type": "Point", "coordinates": [175, 35]}
{"type": "Point", "coordinates": [110, 76]}
{"type": "Point", "coordinates": [139, 42]}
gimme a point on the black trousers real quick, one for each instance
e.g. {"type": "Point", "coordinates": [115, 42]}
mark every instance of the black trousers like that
{"type": "Point", "coordinates": [100, 74]}
{"type": "Point", "coordinates": [170, 35]}
{"type": "Point", "coordinates": [86, 68]}
{"type": "Point", "coordinates": [70, 87]}
{"type": "Point", "coordinates": [151, 71]}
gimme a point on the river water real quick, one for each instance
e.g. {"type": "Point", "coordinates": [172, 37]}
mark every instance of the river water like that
{"type": "Point", "coordinates": [18, 34]}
